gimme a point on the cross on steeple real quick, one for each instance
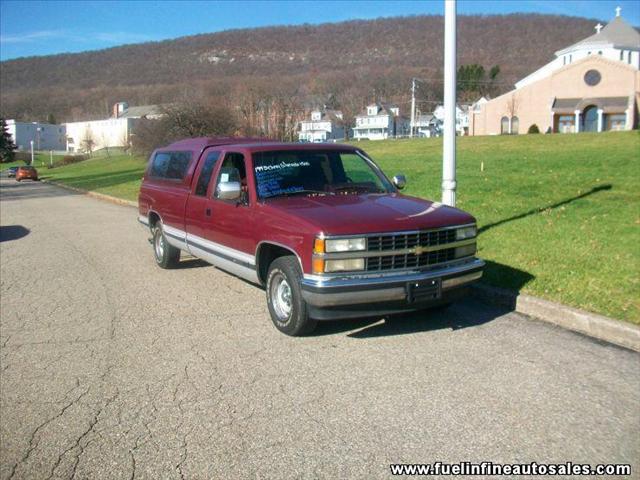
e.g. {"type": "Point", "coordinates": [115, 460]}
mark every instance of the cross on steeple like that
{"type": "Point", "coordinates": [618, 10]}
{"type": "Point", "coordinates": [598, 27]}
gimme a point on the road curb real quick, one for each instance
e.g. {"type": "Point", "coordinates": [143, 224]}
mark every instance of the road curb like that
{"type": "Point", "coordinates": [99, 196]}
{"type": "Point", "coordinates": [591, 324]}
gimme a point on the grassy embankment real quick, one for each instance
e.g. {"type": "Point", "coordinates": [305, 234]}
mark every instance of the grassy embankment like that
{"type": "Point", "coordinates": [116, 174]}
{"type": "Point", "coordinates": [559, 215]}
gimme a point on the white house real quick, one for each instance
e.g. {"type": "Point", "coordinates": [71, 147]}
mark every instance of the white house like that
{"type": "Point", "coordinates": [45, 136]}
{"type": "Point", "coordinates": [378, 122]}
{"type": "Point", "coordinates": [426, 125]}
{"type": "Point", "coordinates": [323, 126]}
{"type": "Point", "coordinates": [462, 118]}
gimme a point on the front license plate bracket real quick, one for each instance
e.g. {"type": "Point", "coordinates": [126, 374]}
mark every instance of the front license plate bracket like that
{"type": "Point", "coordinates": [424, 290]}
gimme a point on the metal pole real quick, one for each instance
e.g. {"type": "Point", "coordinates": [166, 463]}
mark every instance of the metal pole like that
{"type": "Point", "coordinates": [51, 158]}
{"type": "Point", "coordinates": [449, 141]}
{"type": "Point", "coordinates": [32, 157]}
{"type": "Point", "coordinates": [413, 105]}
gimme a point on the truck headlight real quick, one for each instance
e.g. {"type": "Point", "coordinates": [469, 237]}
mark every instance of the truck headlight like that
{"type": "Point", "coordinates": [345, 245]}
{"type": "Point", "coordinates": [344, 265]}
{"type": "Point", "coordinates": [466, 232]}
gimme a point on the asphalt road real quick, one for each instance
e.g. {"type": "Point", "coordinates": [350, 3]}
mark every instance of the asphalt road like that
{"type": "Point", "coordinates": [113, 368]}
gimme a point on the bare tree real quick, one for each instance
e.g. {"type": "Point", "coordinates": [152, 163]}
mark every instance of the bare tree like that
{"type": "Point", "coordinates": [88, 142]}
{"type": "Point", "coordinates": [105, 143]}
{"type": "Point", "coordinates": [512, 109]}
{"type": "Point", "coordinates": [512, 106]}
{"type": "Point", "coordinates": [125, 141]}
{"type": "Point", "coordinates": [187, 120]}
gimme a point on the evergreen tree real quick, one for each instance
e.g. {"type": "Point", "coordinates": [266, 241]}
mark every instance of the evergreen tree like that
{"type": "Point", "coordinates": [7, 146]}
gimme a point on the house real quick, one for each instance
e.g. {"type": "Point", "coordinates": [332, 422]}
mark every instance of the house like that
{"type": "Point", "coordinates": [592, 85]}
{"type": "Point", "coordinates": [45, 136]}
{"type": "Point", "coordinates": [323, 126]}
{"type": "Point", "coordinates": [462, 118]}
{"type": "Point", "coordinates": [427, 125]}
{"type": "Point", "coordinates": [380, 121]}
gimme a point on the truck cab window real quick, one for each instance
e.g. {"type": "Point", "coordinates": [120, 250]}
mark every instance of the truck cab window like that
{"type": "Point", "coordinates": [205, 173]}
{"type": "Point", "coordinates": [170, 165]}
{"type": "Point", "coordinates": [233, 170]}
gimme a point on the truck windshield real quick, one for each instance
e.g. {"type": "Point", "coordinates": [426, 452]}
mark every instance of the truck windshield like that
{"type": "Point", "coordinates": [286, 173]}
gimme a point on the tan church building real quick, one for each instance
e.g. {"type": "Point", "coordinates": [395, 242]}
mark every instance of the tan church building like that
{"type": "Point", "coordinates": [593, 85]}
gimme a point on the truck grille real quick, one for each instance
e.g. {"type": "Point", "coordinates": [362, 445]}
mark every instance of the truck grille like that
{"type": "Point", "coordinates": [400, 241]}
{"type": "Point", "coordinates": [409, 260]}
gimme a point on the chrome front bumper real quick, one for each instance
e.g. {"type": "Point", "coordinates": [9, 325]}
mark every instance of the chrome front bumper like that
{"type": "Point", "coordinates": [320, 291]}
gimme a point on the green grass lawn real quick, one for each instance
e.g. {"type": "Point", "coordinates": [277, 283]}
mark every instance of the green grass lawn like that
{"type": "Point", "coordinates": [118, 175]}
{"type": "Point", "coordinates": [559, 215]}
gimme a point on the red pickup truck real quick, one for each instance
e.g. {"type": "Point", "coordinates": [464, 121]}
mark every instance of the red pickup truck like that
{"type": "Point", "coordinates": [320, 226]}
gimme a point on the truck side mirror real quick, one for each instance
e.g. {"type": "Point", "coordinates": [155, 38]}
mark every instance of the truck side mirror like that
{"type": "Point", "coordinates": [399, 181]}
{"type": "Point", "coordinates": [228, 191]}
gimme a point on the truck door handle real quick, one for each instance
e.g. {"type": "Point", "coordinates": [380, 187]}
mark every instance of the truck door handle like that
{"type": "Point", "coordinates": [207, 212]}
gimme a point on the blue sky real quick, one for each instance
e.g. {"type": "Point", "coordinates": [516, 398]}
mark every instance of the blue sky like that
{"type": "Point", "coordinates": [46, 27]}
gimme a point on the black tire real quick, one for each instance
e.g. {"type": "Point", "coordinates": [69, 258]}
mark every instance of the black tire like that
{"type": "Point", "coordinates": [166, 255]}
{"type": "Point", "coordinates": [288, 309]}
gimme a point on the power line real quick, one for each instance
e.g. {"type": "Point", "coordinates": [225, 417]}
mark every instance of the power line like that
{"type": "Point", "coordinates": [484, 82]}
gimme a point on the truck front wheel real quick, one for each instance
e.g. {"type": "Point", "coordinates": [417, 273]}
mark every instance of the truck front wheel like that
{"type": "Point", "coordinates": [287, 307]}
{"type": "Point", "coordinates": [166, 255]}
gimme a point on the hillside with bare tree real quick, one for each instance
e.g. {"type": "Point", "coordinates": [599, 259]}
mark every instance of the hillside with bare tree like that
{"type": "Point", "coordinates": [342, 64]}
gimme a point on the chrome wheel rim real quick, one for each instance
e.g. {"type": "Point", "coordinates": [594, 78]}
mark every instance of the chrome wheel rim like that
{"type": "Point", "coordinates": [159, 244]}
{"type": "Point", "coordinates": [281, 297]}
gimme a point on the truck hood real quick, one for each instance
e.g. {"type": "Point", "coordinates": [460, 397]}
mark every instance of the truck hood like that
{"type": "Point", "coordinates": [373, 213]}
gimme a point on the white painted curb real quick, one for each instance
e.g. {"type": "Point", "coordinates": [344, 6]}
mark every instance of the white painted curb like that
{"type": "Point", "coordinates": [99, 196]}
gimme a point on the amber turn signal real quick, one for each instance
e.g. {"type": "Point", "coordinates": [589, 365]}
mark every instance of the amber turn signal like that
{"type": "Point", "coordinates": [318, 265]}
{"type": "Point", "coordinates": [318, 245]}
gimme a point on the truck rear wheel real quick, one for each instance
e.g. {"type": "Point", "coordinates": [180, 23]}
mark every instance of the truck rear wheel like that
{"type": "Point", "coordinates": [166, 255]}
{"type": "Point", "coordinates": [288, 309]}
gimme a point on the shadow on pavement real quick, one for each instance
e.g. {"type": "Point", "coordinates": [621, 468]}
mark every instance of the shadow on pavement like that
{"type": "Point", "coordinates": [191, 263]}
{"type": "Point", "coordinates": [12, 232]}
{"type": "Point", "coordinates": [12, 190]}
{"type": "Point", "coordinates": [465, 313]}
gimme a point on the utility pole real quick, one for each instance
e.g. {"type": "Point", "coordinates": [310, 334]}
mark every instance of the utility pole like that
{"type": "Point", "coordinates": [449, 141]}
{"type": "Point", "coordinates": [413, 106]}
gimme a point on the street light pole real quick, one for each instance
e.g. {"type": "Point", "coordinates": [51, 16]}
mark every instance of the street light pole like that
{"type": "Point", "coordinates": [449, 141]}
{"type": "Point", "coordinates": [413, 106]}
{"type": "Point", "coordinates": [32, 157]}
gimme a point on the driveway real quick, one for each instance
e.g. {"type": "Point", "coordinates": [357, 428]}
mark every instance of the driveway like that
{"type": "Point", "coordinates": [113, 368]}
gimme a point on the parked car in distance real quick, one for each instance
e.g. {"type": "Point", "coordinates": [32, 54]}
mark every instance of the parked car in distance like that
{"type": "Point", "coordinates": [319, 226]}
{"type": "Point", "coordinates": [11, 171]}
{"type": "Point", "coordinates": [26, 173]}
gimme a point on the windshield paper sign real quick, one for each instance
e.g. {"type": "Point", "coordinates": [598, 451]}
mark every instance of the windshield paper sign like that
{"type": "Point", "coordinates": [271, 178]}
